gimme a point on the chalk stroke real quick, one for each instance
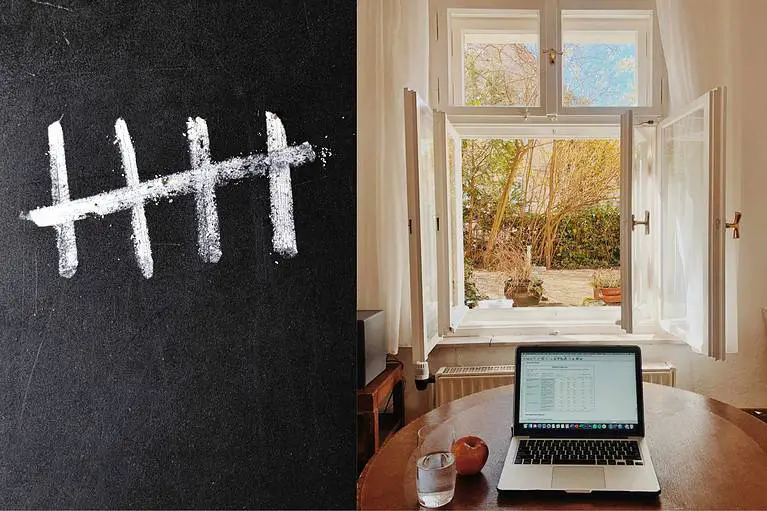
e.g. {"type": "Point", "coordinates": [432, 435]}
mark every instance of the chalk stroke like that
{"type": "Point", "coordinates": [284, 236]}
{"type": "Point", "coordinates": [65, 230]}
{"type": "Point", "coordinates": [201, 181]}
{"type": "Point", "coordinates": [141, 245]}
{"type": "Point", "coordinates": [208, 237]}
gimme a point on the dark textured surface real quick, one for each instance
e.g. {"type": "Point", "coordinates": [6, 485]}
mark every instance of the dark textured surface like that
{"type": "Point", "coordinates": [207, 386]}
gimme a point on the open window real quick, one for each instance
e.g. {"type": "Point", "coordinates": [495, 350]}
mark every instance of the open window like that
{"type": "Point", "coordinates": [449, 205]}
{"type": "Point", "coordinates": [674, 225]}
{"type": "Point", "coordinates": [692, 179]}
{"type": "Point", "coordinates": [672, 232]}
{"type": "Point", "coordinates": [422, 224]}
{"type": "Point", "coordinates": [531, 85]}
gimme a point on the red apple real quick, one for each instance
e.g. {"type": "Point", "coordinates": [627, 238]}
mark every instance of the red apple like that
{"type": "Point", "coordinates": [470, 454]}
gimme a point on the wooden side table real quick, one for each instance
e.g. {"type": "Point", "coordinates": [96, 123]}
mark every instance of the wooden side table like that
{"type": "Point", "coordinates": [373, 426]}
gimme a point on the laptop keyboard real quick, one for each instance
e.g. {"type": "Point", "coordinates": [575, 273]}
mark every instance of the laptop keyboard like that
{"type": "Point", "coordinates": [578, 452]}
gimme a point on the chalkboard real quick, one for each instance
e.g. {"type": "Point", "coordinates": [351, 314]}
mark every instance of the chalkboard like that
{"type": "Point", "coordinates": [223, 384]}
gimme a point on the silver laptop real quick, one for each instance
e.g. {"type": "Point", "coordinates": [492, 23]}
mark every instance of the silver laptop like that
{"type": "Point", "coordinates": [579, 422]}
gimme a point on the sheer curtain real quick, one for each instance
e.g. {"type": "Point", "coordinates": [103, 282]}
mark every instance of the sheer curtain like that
{"type": "Point", "coordinates": [392, 53]}
{"type": "Point", "coordinates": [700, 40]}
{"type": "Point", "coordinates": [691, 35]}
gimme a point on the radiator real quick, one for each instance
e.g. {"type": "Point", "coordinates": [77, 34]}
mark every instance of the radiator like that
{"type": "Point", "coordinates": [455, 382]}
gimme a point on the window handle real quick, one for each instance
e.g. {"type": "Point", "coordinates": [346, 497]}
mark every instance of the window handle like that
{"type": "Point", "coordinates": [552, 53]}
{"type": "Point", "coordinates": [645, 222]}
{"type": "Point", "coordinates": [735, 225]}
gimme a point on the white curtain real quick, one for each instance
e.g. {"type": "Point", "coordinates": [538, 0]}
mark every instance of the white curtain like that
{"type": "Point", "coordinates": [392, 53]}
{"type": "Point", "coordinates": [700, 40]}
{"type": "Point", "coordinates": [691, 35]}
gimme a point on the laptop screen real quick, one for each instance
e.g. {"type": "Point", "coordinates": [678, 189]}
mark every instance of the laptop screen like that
{"type": "Point", "coordinates": [568, 391]}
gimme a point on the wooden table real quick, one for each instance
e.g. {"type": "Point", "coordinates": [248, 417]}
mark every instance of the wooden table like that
{"type": "Point", "coordinates": [707, 454]}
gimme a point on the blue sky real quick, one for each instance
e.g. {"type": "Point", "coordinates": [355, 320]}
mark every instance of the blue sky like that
{"type": "Point", "coordinates": [600, 72]}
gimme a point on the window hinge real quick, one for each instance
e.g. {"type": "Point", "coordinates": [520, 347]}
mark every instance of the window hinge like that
{"type": "Point", "coordinates": [437, 224]}
{"type": "Point", "coordinates": [410, 226]}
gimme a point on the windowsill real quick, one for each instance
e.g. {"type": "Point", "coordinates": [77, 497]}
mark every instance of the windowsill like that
{"type": "Point", "coordinates": [507, 341]}
{"type": "Point", "coordinates": [539, 321]}
{"type": "Point", "coordinates": [507, 327]}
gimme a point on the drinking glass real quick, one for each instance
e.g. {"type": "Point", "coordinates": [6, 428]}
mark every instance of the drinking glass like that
{"type": "Point", "coordinates": [435, 465]}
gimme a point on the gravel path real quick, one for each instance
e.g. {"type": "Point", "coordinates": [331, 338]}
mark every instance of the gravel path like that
{"type": "Point", "coordinates": [568, 287]}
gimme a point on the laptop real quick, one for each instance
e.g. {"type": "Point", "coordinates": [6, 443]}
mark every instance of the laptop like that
{"type": "Point", "coordinates": [579, 422]}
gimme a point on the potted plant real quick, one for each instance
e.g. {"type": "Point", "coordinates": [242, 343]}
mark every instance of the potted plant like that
{"type": "Point", "coordinates": [523, 286]}
{"type": "Point", "coordinates": [607, 285]}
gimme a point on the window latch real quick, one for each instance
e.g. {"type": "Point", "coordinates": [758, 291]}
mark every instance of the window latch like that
{"type": "Point", "coordinates": [645, 222]}
{"type": "Point", "coordinates": [552, 53]}
{"type": "Point", "coordinates": [734, 225]}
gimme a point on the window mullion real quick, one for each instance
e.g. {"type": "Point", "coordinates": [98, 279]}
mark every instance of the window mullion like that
{"type": "Point", "coordinates": [551, 73]}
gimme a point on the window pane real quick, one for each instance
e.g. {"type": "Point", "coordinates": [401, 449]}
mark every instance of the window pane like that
{"type": "Point", "coordinates": [500, 60]}
{"type": "Point", "coordinates": [606, 58]}
{"type": "Point", "coordinates": [684, 230]}
{"type": "Point", "coordinates": [644, 188]}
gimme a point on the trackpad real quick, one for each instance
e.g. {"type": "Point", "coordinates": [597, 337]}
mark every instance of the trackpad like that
{"type": "Point", "coordinates": [578, 478]}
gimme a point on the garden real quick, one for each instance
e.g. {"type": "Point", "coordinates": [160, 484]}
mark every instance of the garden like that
{"type": "Point", "coordinates": [541, 221]}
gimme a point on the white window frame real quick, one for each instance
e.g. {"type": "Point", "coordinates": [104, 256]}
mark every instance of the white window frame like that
{"type": "Point", "coordinates": [446, 72]}
{"type": "Point", "coordinates": [490, 23]}
{"type": "Point", "coordinates": [573, 321]}
{"type": "Point", "coordinates": [422, 219]}
{"type": "Point", "coordinates": [649, 77]}
{"type": "Point", "coordinates": [552, 120]}
{"type": "Point", "coordinates": [546, 320]}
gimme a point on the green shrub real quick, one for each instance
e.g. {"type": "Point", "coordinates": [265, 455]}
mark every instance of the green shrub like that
{"type": "Point", "coordinates": [589, 239]}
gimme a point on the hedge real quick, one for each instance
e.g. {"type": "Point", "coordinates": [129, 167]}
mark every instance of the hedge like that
{"type": "Point", "coordinates": [589, 239]}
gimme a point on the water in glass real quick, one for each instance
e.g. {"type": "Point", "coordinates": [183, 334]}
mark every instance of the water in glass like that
{"type": "Point", "coordinates": [435, 479]}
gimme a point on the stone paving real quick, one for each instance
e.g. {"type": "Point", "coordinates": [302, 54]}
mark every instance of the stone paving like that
{"type": "Point", "coordinates": [568, 287]}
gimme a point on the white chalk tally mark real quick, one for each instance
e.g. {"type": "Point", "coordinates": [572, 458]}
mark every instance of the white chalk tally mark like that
{"type": "Point", "coordinates": [201, 180]}
{"type": "Point", "coordinates": [208, 236]}
{"type": "Point", "coordinates": [65, 231]}
{"type": "Point", "coordinates": [141, 245]}
{"type": "Point", "coordinates": [281, 194]}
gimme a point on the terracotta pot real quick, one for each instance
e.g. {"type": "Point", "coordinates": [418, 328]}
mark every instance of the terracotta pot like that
{"type": "Point", "coordinates": [610, 295]}
{"type": "Point", "coordinates": [522, 296]}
